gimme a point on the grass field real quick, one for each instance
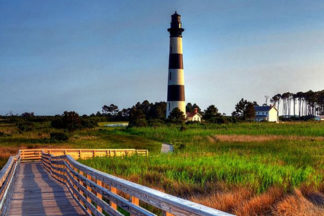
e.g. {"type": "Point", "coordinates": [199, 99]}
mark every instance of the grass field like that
{"type": "Point", "coordinates": [11, 139]}
{"type": "Point", "coordinates": [234, 167]}
{"type": "Point", "coordinates": [243, 168]}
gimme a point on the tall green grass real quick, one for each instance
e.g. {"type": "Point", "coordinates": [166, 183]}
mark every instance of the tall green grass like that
{"type": "Point", "coordinates": [200, 164]}
{"type": "Point", "coordinates": [172, 133]}
{"type": "Point", "coordinates": [197, 171]}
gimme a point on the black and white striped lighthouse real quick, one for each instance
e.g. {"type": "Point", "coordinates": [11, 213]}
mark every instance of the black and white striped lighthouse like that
{"type": "Point", "coordinates": [176, 90]}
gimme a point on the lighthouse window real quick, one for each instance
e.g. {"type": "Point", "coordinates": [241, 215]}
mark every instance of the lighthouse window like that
{"type": "Point", "coordinates": [169, 75]}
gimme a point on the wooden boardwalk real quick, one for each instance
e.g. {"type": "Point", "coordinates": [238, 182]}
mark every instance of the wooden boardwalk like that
{"type": "Point", "coordinates": [30, 184]}
{"type": "Point", "coordinates": [35, 193]}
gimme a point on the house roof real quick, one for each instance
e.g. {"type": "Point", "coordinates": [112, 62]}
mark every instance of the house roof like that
{"type": "Point", "coordinates": [262, 108]}
{"type": "Point", "coordinates": [192, 114]}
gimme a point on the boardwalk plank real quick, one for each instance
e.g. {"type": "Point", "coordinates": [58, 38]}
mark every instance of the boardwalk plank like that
{"type": "Point", "coordinates": [35, 193]}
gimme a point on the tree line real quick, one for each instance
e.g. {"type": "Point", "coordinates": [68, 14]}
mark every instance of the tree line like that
{"type": "Point", "coordinates": [299, 104]}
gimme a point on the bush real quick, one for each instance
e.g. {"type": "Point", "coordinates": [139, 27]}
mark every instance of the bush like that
{"type": "Point", "coordinates": [72, 121]}
{"type": "Point", "coordinates": [176, 116]}
{"type": "Point", "coordinates": [156, 122]}
{"type": "Point", "coordinates": [69, 120]}
{"type": "Point", "coordinates": [183, 128]}
{"type": "Point", "coordinates": [89, 123]}
{"type": "Point", "coordinates": [57, 122]}
{"type": "Point", "coordinates": [59, 136]}
{"type": "Point", "coordinates": [24, 126]}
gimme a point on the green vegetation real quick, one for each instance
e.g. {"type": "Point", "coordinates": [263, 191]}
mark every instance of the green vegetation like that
{"type": "Point", "coordinates": [201, 158]}
{"type": "Point", "coordinates": [209, 158]}
{"type": "Point", "coordinates": [40, 134]}
{"type": "Point", "coordinates": [258, 164]}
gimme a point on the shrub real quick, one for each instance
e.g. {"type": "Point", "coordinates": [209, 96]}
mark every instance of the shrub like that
{"type": "Point", "coordinates": [156, 122]}
{"type": "Point", "coordinates": [69, 120]}
{"type": "Point", "coordinates": [57, 122]}
{"type": "Point", "coordinates": [24, 126]}
{"type": "Point", "coordinates": [137, 118]}
{"type": "Point", "coordinates": [57, 136]}
{"type": "Point", "coordinates": [176, 116]}
{"type": "Point", "coordinates": [88, 122]}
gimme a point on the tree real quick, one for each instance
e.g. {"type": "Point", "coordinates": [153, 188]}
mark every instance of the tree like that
{"type": "Point", "coordinates": [27, 115]}
{"type": "Point", "coordinates": [112, 109]}
{"type": "Point", "coordinates": [158, 111]}
{"type": "Point", "coordinates": [69, 120]}
{"type": "Point", "coordinates": [176, 116]}
{"type": "Point", "coordinates": [249, 112]}
{"type": "Point", "coordinates": [211, 112]}
{"type": "Point", "coordinates": [190, 108]}
{"type": "Point", "coordinates": [137, 118]}
{"type": "Point", "coordinates": [244, 110]}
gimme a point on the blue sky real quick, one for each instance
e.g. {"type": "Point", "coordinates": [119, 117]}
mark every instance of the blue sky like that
{"type": "Point", "coordinates": [79, 54]}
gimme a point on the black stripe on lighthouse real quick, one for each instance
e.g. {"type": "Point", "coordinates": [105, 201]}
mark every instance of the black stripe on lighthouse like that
{"type": "Point", "coordinates": [175, 61]}
{"type": "Point", "coordinates": [176, 93]}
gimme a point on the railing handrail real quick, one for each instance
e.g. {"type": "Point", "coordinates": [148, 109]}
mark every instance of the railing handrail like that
{"type": "Point", "coordinates": [149, 195]}
{"type": "Point", "coordinates": [78, 149]}
{"type": "Point", "coordinates": [7, 174]}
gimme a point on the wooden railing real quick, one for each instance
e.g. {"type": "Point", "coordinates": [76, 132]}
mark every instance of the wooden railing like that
{"type": "Point", "coordinates": [101, 194]}
{"type": "Point", "coordinates": [6, 178]}
{"type": "Point", "coordinates": [35, 154]}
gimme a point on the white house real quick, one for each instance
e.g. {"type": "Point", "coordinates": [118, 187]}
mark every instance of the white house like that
{"type": "Point", "coordinates": [266, 113]}
{"type": "Point", "coordinates": [194, 116]}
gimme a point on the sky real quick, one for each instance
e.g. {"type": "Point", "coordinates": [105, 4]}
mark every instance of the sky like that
{"type": "Point", "coordinates": [58, 55]}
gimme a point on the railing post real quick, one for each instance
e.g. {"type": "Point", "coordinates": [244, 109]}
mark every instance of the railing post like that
{"type": "Point", "coordinates": [135, 201]}
{"type": "Point", "coordinates": [112, 204]}
{"type": "Point", "coordinates": [89, 189]}
{"type": "Point", "coordinates": [99, 195]}
{"type": "Point", "coordinates": [167, 214]}
{"type": "Point", "coordinates": [81, 183]}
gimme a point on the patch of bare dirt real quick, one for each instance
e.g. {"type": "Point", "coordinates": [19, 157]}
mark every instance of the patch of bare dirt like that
{"type": "Point", "coordinates": [257, 138]}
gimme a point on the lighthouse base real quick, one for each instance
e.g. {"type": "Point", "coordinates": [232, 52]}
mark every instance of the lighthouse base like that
{"type": "Point", "coordinates": [176, 104]}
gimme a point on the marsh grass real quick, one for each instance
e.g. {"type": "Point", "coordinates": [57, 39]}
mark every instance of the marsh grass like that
{"type": "Point", "coordinates": [254, 164]}
{"type": "Point", "coordinates": [245, 168]}
{"type": "Point", "coordinates": [204, 171]}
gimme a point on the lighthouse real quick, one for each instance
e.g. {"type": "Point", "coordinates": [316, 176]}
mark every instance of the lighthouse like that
{"type": "Point", "coordinates": [176, 90]}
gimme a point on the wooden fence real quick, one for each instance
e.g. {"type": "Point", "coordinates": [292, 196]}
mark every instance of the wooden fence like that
{"type": "Point", "coordinates": [35, 154]}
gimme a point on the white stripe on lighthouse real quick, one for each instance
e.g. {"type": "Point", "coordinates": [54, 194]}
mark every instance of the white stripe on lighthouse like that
{"type": "Point", "coordinates": [176, 77]}
{"type": "Point", "coordinates": [176, 45]}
